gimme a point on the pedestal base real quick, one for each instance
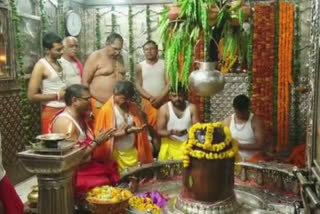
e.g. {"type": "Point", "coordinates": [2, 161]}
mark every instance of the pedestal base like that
{"type": "Point", "coordinates": [190, 206]}
{"type": "Point", "coordinates": [56, 193]}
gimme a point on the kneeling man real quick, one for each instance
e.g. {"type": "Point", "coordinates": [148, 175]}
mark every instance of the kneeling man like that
{"type": "Point", "coordinates": [174, 119]}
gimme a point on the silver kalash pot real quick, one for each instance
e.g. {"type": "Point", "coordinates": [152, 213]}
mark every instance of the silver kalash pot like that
{"type": "Point", "coordinates": [207, 81]}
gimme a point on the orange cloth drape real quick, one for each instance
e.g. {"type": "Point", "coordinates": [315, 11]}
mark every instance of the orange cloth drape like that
{"type": "Point", "coordinates": [95, 110]}
{"type": "Point", "coordinates": [151, 112]}
{"type": "Point", "coordinates": [106, 120]}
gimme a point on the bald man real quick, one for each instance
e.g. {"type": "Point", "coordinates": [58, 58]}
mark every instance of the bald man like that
{"type": "Point", "coordinates": [102, 70]}
{"type": "Point", "coordinates": [70, 64]}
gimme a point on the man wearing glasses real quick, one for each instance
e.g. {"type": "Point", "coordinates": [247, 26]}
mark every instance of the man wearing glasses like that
{"type": "Point", "coordinates": [102, 69]}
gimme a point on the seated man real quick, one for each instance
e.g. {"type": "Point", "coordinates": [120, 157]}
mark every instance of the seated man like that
{"type": "Point", "coordinates": [247, 129]}
{"type": "Point", "coordinates": [73, 122]}
{"type": "Point", "coordinates": [174, 119]}
{"type": "Point", "coordinates": [130, 143]}
{"type": "Point", "coordinates": [10, 203]}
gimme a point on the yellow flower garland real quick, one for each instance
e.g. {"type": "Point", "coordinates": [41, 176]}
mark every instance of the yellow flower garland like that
{"type": "Point", "coordinates": [213, 150]}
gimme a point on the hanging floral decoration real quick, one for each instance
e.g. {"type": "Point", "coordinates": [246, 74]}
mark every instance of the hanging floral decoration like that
{"type": "Point", "coordinates": [131, 41]}
{"type": "Point", "coordinates": [286, 25]}
{"type": "Point", "coordinates": [275, 77]}
{"type": "Point", "coordinates": [263, 62]}
{"type": "Point", "coordinates": [98, 30]}
{"type": "Point", "coordinates": [113, 20]}
{"type": "Point", "coordinates": [250, 53]}
{"type": "Point", "coordinates": [148, 22]}
{"type": "Point", "coordinates": [62, 28]}
{"type": "Point", "coordinates": [26, 107]}
{"type": "Point", "coordinates": [43, 17]}
{"type": "Point", "coordinates": [295, 76]}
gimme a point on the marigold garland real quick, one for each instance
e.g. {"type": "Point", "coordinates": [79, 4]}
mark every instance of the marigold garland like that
{"type": "Point", "coordinates": [212, 151]}
{"type": "Point", "coordinates": [286, 24]}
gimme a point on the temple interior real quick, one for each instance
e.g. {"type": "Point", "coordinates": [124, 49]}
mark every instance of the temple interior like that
{"type": "Point", "coordinates": [267, 50]}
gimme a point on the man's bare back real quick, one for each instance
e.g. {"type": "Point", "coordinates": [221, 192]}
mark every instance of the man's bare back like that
{"type": "Point", "coordinates": [101, 72]}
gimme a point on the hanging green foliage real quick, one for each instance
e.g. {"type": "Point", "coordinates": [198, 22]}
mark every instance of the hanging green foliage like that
{"type": "Point", "coordinates": [181, 34]}
{"type": "Point", "coordinates": [26, 108]}
{"type": "Point", "coordinates": [295, 76]}
{"type": "Point", "coordinates": [275, 76]}
{"type": "Point", "coordinates": [113, 20]}
{"type": "Point", "coordinates": [43, 17]}
{"type": "Point", "coordinates": [62, 26]}
{"type": "Point", "coordinates": [131, 48]}
{"type": "Point", "coordinates": [250, 54]}
{"type": "Point", "coordinates": [148, 22]}
{"type": "Point", "coordinates": [98, 31]}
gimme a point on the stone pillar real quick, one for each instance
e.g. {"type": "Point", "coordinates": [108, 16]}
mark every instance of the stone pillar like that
{"type": "Point", "coordinates": [59, 191]}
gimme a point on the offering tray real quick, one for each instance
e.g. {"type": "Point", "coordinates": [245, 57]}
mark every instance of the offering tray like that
{"type": "Point", "coordinates": [63, 147]}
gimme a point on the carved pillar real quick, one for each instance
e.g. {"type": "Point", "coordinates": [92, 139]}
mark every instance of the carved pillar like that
{"type": "Point", "coordinates": [58, 190]}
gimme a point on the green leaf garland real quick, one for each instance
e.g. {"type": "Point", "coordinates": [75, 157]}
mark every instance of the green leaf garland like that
{"type": "Point", "coordinates": [131, 40]}
{"type": "Point", "coordinates": [26, 107]}
{"type": "Point", "coordinates": [148, 22]}
{"type": "Point", "coordinates": [98, 31]}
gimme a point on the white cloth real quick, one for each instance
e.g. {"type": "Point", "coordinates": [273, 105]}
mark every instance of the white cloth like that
{"type": "Point", "coordinates": [71, 71]}
{"type": "Point", "coordinates": [82, 135]}
{"type": "Point", "coordinates": [153, 77]}
{"type": "Point", "coordinates": [2, 171]}
{"type": "Point", "coordinates": [243, 133]}
{"type": "Point", "coordinates": [127, 141]}
{"type": "Point", "coordinates": [182, 123]}
{"type": "Point", "coordinates": [52, 85]}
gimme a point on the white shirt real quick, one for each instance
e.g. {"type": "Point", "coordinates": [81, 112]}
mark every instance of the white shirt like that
{"type": "Point", "coordinates": [182, 123]}
{"type": "Point", "coordinates": [2, 171]}
{"type": "Point", "coordinates": [52, 85]}
{"type": "Point", "coordinates": [153, 77]}
{"type": "Point", "coordinates": [243, 133]}
{"type": "Point", "coordinates": [71, 71]}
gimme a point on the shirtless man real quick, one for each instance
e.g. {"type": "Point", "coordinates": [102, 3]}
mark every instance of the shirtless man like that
{"type": "Point", "coordinates": [102, 70]}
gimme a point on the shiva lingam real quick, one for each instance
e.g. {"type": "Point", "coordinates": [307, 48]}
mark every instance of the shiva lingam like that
{"type": "Point", "coordinates": [251, 197]}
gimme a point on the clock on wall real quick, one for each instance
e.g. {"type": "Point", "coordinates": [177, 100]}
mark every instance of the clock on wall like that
{"type": "Point", "coordinates": [73, 23]}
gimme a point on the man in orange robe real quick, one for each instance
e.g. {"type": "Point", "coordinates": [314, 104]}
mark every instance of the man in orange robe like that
{"type": "Point", "coordinates": [130, 143]}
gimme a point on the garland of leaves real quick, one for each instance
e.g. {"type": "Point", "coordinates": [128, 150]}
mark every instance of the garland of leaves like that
{"type": "Point", "coordinates": [62, 29]}
{"type": "Point", "coordinates": [43, 17]}
{"type": "Point", "coordinates": [113, 20]}
{"type": "Point", "coordinates": [131, 48]}
{"type": "Point", "coordinates": [98, 32]}
{"type": "Point", "coordinates": [148, 22]}
{"type": "Point", "coordinates": [295, 76]}
{"type": "Point", "coordinates": [250, 52]}
{"type": "Point", "coordinates": [275, 76]}
{"type": "Point", "coordinates": [26, 108]}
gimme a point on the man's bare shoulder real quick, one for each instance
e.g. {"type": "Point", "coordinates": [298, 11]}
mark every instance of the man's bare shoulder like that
{"type": "Point", "coordinates": [63, 124]}
{"type": "Point", "coordinates": [257, 121]}
{"type": "Point", "coordinates": [164, 108]}
{"type": "Point", "coordinates": [96, 54]}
